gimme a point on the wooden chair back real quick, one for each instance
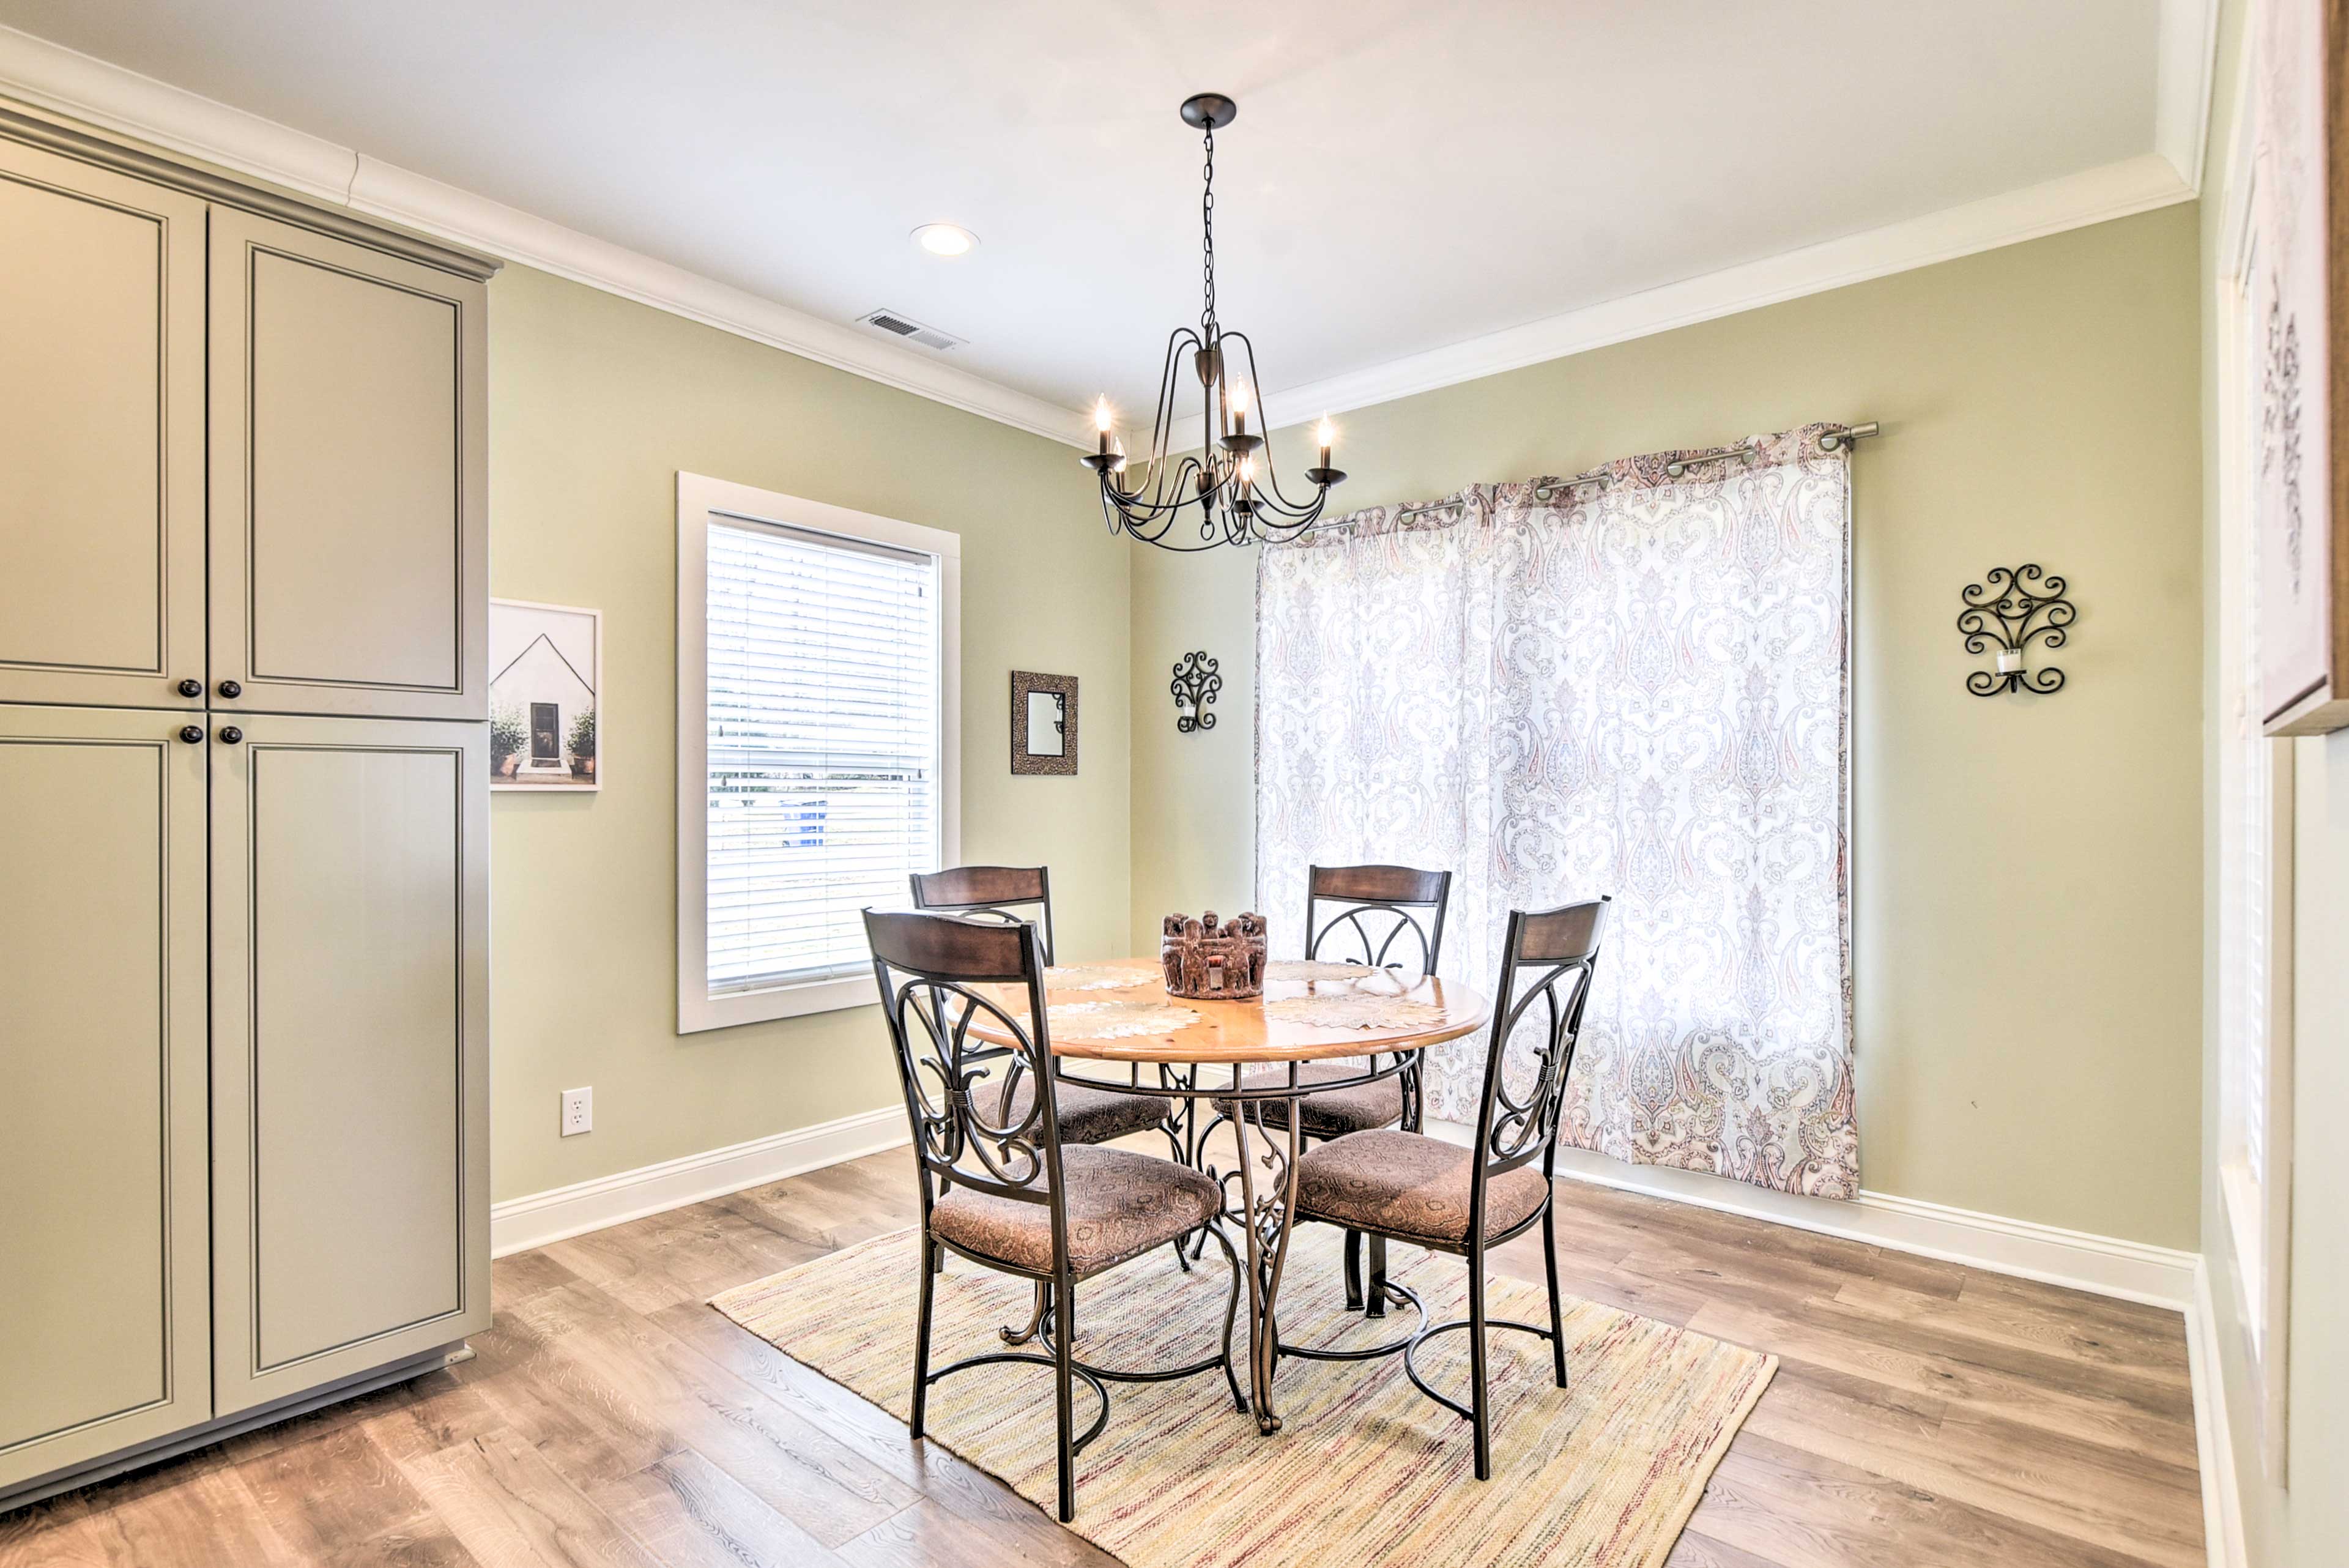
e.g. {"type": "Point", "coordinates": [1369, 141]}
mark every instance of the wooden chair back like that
{"type": "Point", "coordinates": [959, 1089]}
{"type": "Point", "coordinates": [1395, 899]}
{"type": "Point", "coordinates": [990, 893]}
{"type": "Point", "coordinates": [1515, 1126]}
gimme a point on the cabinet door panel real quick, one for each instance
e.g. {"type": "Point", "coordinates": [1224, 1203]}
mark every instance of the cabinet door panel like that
{"type": "Point", "coordinates": [104, 1331]}
{"type": "Point", "coordinates": [349, 1084]}
{"type": "Point", "coordinates": [101, 436]}
{"type": "Point", "coordinates": [349, 556]}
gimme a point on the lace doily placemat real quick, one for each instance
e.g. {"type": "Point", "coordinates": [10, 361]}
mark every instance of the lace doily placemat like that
{"type": "Point", "coordinates": [1099, 976]}
{"type": "Point", "coordinates": [1356, 1011]}
{"type": "Point", "coordinates": [1315, 969]}
{"type": "Point", "coordinates": [1116, 1020]}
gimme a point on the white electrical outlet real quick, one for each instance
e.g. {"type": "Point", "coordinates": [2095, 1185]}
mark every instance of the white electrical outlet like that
{"type": "Point", "coordinates": [578, 1111]}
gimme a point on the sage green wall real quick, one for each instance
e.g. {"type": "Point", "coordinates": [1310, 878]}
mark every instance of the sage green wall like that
{"type": "Point", "coordinates": [595, 403]}
{"type": "Point", "coordinates": [2026, 870]}
{"type": "Point", "coordinates": [2304, 1524]}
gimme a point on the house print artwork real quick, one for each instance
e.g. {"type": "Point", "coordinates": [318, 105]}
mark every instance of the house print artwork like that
{"type": "Point", "coordinates": [545, 664]}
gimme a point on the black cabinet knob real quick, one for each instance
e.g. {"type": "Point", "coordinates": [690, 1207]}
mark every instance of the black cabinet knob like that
{"type": "Point", "coordinates": [231, 689]}
{"type": "Point", "coordinates": [232, 734]}
{"type": "Point", "coordinates": [192, 687]}
{"type": "Point", "coordinates": [192, 734]}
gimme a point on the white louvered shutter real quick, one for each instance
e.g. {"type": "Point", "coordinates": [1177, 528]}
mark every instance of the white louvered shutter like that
{"type": "Point", "coordinates": [823, 777]}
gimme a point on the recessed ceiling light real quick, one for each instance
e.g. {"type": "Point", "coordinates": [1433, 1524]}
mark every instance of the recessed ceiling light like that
{"type": "Point", "coordinates": [944, 239]}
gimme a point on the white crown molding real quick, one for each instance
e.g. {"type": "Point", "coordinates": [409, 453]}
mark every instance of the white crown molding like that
{"type": "Point", "coordinates": [2115, 191]}
{"type": "Point", "coordinates": [2214, 1444]}
{"type": "Point", "coordinates": [2186, 58]}
{"type": "Point", "coordinates": [520, 1224]}
{"type": "Point", "coordinates": [49, 76]}
{"type": "Point", "coordinates": [59, 80]}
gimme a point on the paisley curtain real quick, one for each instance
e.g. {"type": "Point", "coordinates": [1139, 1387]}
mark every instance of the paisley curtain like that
{"type": "Point", "coordinates": [1637, 687]}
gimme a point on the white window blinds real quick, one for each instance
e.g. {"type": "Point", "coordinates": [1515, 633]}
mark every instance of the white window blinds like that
{"type": "Point", "coordinates": [822, 772]}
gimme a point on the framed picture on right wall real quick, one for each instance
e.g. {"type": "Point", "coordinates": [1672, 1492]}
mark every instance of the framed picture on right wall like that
{"type": "Point", "coordinates": [2298, 282]}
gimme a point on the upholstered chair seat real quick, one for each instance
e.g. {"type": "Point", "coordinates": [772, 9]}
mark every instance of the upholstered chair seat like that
{"type": "Point", "coordinates": [1089, 1115]}
{"type": "Point", "coordinates": [1330, 1114]}
{"type": "Point", "coordinates": [1119, 1204]}
{"type": "Point", "coordinates": [1410, 1186]}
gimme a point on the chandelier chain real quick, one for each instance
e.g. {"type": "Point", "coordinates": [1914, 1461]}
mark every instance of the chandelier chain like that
{"type": "Point", "coordinates": [1207, 238]}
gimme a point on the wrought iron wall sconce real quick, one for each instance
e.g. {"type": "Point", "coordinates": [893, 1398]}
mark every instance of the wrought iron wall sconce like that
{"type": "Point", "coordinates": [1194, 686]}
{"type": "Point", "coordinates": [2017, 606]}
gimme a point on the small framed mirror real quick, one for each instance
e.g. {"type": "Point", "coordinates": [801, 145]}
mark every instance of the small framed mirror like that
{"type": "Point", "coordinates": [1043, 723]}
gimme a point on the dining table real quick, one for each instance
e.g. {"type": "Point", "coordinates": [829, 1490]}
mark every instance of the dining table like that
{"type": "Point", "coordinates": [1247, 1052]}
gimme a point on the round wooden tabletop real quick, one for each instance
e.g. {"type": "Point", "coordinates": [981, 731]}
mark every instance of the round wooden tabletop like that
{"type": "Point", "coordinates": [1239, 1032]}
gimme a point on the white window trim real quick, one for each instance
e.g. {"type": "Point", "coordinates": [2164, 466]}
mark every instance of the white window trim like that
{"type": "Point", "coordinates": [2255, 1205]}
{"type": "Point", "coordinates": [697, 497]}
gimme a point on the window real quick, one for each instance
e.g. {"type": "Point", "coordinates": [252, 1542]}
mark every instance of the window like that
{"type": "Point", "coordinates": [816, 694]}
{"type": "Point", "coordinates": [2254, 832]}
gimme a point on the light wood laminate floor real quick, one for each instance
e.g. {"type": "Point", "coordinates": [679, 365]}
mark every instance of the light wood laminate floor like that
{"type": "Point", "coordinates": [1923, 1414]}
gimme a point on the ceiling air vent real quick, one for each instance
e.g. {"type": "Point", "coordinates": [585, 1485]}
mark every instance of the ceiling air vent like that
{"type": "Point", "coordinates": [912, 331]}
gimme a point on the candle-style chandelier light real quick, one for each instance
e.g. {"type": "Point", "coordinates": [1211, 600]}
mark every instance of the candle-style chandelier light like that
{"type": "Point", "coordinates": [1227, 493]}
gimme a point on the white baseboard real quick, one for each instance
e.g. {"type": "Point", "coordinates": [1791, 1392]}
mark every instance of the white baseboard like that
{"type": "Point", "coordinates": [2223, 1500]}
{"type": "Point", "coordinates": [2132, 1270]}
{"type": "Point", "coordinates": [520, 1224]}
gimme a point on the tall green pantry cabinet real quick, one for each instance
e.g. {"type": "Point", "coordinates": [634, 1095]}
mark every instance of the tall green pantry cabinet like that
{"type": "Point", "coordinates": [244, 805]}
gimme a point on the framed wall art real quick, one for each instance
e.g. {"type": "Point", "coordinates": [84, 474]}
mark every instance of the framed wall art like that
{"type": "Point", "coordinates": [2298, 287]}
{"type": "Point", "coordinates": [546, 669]}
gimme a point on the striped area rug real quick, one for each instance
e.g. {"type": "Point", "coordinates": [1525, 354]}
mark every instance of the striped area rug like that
{"type": "Point", "coordinates": [1365, 1472]}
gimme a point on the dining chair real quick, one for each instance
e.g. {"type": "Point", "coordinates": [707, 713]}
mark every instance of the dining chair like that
{"type": "Point", "coordinates": [999, 1187]}
{"type": "Point", "coordinates": [996, 893]}
{"type": "Point", "coordinates": [1375, 907]}
{"type": "Point", "coordinates": [990, 893]}
{"type": "Point", "coordinates": [1405, 1187]}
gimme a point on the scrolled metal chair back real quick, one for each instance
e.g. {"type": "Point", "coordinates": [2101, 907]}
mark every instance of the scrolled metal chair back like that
{"type": "Point", "coordinates": [959, 1088]}
{"type": "Point", "coordinates": [1519, 1123]}
{"type": "Point", "coordinates": [1384, 905]}
{"type": "Point", "coordinates": [995, 893]}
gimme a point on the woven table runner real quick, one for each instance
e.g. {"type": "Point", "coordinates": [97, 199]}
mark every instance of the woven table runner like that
{"type": "Point", "coordinates": [1316, 969]}
{"type": "Point", "coordinates": [1354, 1011]}
{"type": "Point", "coordinates": [1098, 977]}
{"type": "Point", "coordinates": [1116, 1020]}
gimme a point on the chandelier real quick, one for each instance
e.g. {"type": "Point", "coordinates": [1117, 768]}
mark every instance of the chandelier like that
{"type": "Point", "coordinates": [1229, 485]}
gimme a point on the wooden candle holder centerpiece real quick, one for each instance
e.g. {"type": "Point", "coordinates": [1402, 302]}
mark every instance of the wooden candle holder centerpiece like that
{"type": "Point", "coordinates": [1204, 958]}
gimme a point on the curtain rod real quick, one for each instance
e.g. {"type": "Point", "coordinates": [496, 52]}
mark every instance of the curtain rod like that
{"type": "Point", "coordinates": [1545, 489]}
{"type": "Point", "coordinates": [1829, 440]}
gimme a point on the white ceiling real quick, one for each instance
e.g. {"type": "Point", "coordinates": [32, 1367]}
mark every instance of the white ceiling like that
{"type": "Point", "coordinates": [1402, 176]}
